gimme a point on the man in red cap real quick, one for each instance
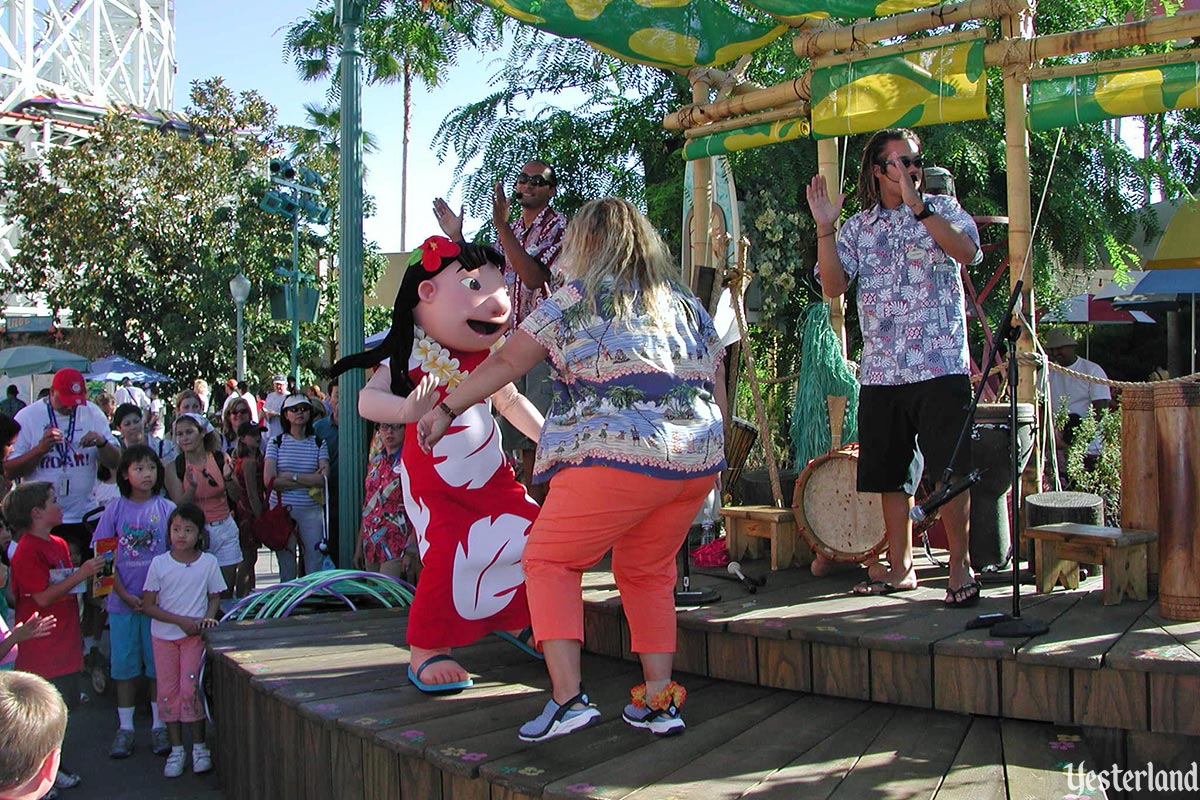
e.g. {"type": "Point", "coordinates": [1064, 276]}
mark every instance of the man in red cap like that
{"type": "Point", "coordinates": [61, 440]}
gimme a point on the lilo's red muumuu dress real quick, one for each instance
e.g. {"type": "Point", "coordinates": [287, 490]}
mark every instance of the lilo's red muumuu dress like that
{"type": "Point", "coordinates": [471, 518]}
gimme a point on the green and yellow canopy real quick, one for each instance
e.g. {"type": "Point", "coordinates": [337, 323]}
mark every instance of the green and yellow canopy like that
{"type": "Point", "coordinates": [686, 33]}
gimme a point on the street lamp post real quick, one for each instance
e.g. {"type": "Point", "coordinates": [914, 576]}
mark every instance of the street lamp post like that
{"type": "Point", "coordinates": [352, 456]}
{"type": "Point", "coordinates": [239, 288]}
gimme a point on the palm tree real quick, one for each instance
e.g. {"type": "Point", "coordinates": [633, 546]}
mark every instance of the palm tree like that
{"type": "Point", "coordinates": [322, 135]}
{"type": "Point", "coordinates": [401, 40]}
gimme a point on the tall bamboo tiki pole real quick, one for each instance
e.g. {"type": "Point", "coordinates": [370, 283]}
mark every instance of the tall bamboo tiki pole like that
{"type": "Point", "coordinates": [1020, 221]}
{"type": "Point", "coordinates": [701, 207]}
{"type": "Point", "coordinates": [827, 165]}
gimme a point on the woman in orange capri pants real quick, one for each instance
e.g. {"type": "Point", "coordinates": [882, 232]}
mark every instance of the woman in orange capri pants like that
{"type": "Point", "coordinates": [631, 446]}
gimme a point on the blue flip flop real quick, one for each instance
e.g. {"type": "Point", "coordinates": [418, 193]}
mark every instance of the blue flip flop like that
{"type": "Point", "coordinates": [522, 641]}
{"type": "Point", "coordinates": [436, 688]}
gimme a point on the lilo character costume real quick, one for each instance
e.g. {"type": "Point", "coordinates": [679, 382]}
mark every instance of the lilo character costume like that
{"type": "Point", "coordinates": [470, 515]}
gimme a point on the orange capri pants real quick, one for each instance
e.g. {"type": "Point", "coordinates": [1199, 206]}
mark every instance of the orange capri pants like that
{"type": "Point", "coordinates": [644, 520]}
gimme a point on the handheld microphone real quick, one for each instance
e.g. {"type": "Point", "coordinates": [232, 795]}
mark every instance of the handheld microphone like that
{"type": "Point", "coordinates": [736, 569]}
{"type": "Point", "coordinates": [921, 511]}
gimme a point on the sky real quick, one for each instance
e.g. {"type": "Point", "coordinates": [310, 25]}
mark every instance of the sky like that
{"type": "Point", "coordinates": [242, 42]}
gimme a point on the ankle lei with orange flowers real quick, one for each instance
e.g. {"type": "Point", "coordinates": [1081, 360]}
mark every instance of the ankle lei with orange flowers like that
{"type": "Point", "coordinates": [672, 695]}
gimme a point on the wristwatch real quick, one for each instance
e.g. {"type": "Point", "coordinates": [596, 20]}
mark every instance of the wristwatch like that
{"type": "Point", "coordinates": [927, 212]}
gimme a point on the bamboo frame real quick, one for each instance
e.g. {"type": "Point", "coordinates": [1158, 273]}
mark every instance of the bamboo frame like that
{"type": "Point", "coordinates": [780, 94]}
{"type": "Point", "coordinates": [1004, 53]}
{"type": "Point", "coordinates": [908, 46]}
{"type": "Point", "coordinates": [701, 206]}
{"type": "Point", "coordinates": [811, 45]}
{"type": "Point", "coordinates": [1112, 65]}
{"type": "Point", "coordinates": [789, 111]}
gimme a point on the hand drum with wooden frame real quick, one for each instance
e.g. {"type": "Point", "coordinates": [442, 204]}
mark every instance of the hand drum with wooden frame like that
{"type": "Point", "coordinates": [839, 522]}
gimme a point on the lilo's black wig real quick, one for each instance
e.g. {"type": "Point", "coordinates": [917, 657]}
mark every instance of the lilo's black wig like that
{"type": "Point", "coordinates": [398, 343]}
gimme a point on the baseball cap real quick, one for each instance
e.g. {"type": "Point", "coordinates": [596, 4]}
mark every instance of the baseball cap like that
{"type": "Point", "coordinates": [70, 387]}
{"type": "Point", "coordinates": [1058, 338]}
{"type": "Point", "coordinates": [247, 428]}
{"type": "Point", "coordinates": [296, 400]}
{"type": "Point", "coordinates": [279, 379]}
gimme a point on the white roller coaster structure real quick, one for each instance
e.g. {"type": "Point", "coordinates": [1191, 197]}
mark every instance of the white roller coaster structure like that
{"type": "Point", "coordinates": [66, 63]}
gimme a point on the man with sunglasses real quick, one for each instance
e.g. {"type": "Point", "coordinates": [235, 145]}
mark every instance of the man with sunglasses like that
{"type": "Point", "coordinates": [530, 245]}
{"type": "Point", "coordinates": [905, 248]}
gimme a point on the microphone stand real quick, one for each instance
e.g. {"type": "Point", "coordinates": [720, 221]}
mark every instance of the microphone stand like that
{"type": "Point", "coordinates": [687, 596]}
{"type": "Point", "coordinates": [1004, 626]}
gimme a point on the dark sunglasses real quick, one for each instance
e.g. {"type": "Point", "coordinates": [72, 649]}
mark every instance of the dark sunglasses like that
{"type": "Point", "coordinates": [298, 408]}
{"type": "Point", "coordinates": [391, 426]}
{"type": "Point", "coordinates": [211, 481]}
{"type": "Point", "coordinates": [532, 180]}
{"type": "Point", "coordinates": [915, 161]}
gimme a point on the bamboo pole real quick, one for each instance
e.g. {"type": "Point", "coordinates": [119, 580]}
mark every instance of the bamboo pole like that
{"type": "Point", "coordinates": [1111, 65]}
{"type": "Point", "coordinates": [795, 110]}
{"type": "Point", "coordinates": [701, 206]}
{"type": "Point", "coordinates": [812, 44]}
{"type": "Point", "coordinates": [907, 46]}
{"type": "Point", "coordinates": [738, 279]}
{"type": "Point", "coordinates": [1020, 218]}
{"type": "Point", "coordinates": [827, 165]}
{"type": "Point", "coordinates": [1183, 25]}
{"type": "Point", "coordinates": [773, 96]}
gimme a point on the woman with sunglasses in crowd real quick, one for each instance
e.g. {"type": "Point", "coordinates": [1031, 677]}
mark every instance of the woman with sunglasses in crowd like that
{"type": "Point", "coordinates": [236, 413]}
{"type": "Point", "coordinates": [297, 463]}
{"type": "Point", "coordinates": [203, 474]}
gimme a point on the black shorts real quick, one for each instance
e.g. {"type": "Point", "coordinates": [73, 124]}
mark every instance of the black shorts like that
{"type": "Point", "coordinates": [906, 429]}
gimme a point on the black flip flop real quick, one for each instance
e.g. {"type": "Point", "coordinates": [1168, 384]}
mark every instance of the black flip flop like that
{"type": "Point", "coordinates": [964, 596]}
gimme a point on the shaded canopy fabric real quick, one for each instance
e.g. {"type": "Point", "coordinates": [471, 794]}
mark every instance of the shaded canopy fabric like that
{"type": "Point", "coordinates": [117, 368]}
{"type": "Point", "coordinates": [685, 33]}
{"type": "Point", "coordinates": [32, 359]}
{"type": "Point", "coordinates": [1179, 247]}
{"type": "Point", "coordinates": [1091, 310]}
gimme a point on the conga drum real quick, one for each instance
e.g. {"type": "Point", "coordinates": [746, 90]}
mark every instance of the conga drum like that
{"type": "Point", "coordinates": [739, 438]}
{"type": "Point", "coordinates": [839, 522]}
{"type": "Point", "coordinates": [991, 453]}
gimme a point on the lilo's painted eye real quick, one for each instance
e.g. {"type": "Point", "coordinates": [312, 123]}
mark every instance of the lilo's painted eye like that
{"type": "Point", "coordinates": [472, 283]}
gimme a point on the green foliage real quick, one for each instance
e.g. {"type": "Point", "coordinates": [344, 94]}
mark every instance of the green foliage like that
{"type": "Point", "coordinates": [610, 143]}
{"type": "Point", "coordinates": [1098, 474]}
{"type": "Point", "coordinates": [138, 232]}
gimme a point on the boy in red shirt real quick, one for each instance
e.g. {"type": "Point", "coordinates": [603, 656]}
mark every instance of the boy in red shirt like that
{"type": "Point", "coordinates": [44, 581]}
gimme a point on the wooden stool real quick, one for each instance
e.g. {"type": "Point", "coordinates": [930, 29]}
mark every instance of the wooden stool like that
{"type": "Point", "coordinates": [745, 525]}
{"type": "Point", "coordinates": [1059, 548]}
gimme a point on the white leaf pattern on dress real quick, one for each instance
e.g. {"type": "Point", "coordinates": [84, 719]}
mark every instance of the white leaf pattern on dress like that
{"type": "Point", "coordinates": [418, 512]}
{"type": "Point", "coordinates": [488, 571]}
{"type": "Point", "coordinates": [468, 455]}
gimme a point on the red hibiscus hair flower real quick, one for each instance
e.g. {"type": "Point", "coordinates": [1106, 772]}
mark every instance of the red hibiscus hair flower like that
{"type": "Point", "coordinates": [433, 251]}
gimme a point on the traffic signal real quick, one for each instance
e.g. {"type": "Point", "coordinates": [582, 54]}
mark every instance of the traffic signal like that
{"type": "Point", "coordinates": [275, 203]}
{"type": "Point", "coordinates": [282, 169]}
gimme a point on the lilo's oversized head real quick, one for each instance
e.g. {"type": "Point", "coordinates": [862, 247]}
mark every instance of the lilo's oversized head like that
{"type": "Point", "coordinates": [455, 292]}
{"type": "Point", "coordinates": [460, 297]}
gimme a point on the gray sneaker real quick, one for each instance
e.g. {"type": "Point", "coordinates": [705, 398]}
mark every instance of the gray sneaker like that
{"type": "Point", "coordinates": [122, 746]}
{"type": "Point", "coordinates": [160, 743]}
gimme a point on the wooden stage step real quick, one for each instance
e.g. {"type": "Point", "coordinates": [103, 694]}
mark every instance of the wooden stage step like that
{"type": "Point", "coordinates": [320, 707]}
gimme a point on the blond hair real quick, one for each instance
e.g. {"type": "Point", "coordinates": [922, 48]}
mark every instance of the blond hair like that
{"type": "Point", "coordinates": [610, 241]}
{"type": "Point", "coordinates": [33, 721]}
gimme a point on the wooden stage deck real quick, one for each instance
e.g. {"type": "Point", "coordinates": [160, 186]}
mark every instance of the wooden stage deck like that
{"type": "Point", "coordinates": [798, 691]}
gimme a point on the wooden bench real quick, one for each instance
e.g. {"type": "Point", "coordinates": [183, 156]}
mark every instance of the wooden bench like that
{"type": "Point", "coordinates": [1059, 548]}
{"type": "Point", "coordinates": [746, 525]}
